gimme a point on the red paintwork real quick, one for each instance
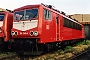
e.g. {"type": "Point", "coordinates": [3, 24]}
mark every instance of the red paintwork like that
{"type": "Point", "coordinates": [48, 28]}
{"type": "Point", "coordinates": [7, 25]}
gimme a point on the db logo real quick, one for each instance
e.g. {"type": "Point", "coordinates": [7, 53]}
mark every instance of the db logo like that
{"type": "Point", "coordinates": [47, 26]}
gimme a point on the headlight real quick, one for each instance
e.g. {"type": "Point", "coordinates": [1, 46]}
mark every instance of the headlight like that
{"type": "Point", "coordinates": [16, 33]}
{"type": "Point", "coordinates": [31, 33]}
{"type": "Point", "coordinates": [12, 33]}
{"type": "Point", "coordinates": [35, 33]}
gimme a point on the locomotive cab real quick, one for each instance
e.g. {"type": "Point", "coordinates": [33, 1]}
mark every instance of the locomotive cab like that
{"type": "Point", "coordinates": [26, 31]}
{"type": "Point", "coordinates": [25, 23]}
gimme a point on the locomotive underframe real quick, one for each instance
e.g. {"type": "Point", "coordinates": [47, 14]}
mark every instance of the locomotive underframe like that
{"type": "Point", "coordinates": [32, 47]}
{"type": "Point", "coordinates": [3, 45]}
{"type": "Point", "coordinates": [27, 46]}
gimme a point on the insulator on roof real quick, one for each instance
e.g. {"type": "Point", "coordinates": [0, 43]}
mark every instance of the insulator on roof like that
{"type": "Point", "coordinates": [53, 8]}
{"type": "Point", "coordinates": [70, 16]}
{"type": "Point", "coordinates": [50, 6]}
{"type": "Point", "coordinates": [43, 4]}
{"type": "Point", "coordinates": [9, 10]}
{"type": "Point", "coordinates": [75, 20]}
{"type": "Point", "coordinates": [62, 13]}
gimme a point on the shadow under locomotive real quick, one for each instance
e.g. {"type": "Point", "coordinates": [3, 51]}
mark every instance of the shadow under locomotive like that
{"type": "Point", "coordinates": [32, 47]}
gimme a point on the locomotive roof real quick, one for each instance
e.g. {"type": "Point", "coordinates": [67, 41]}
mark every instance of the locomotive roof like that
{"type": "Point", "coordinates": [46, 6]}
{"type": "Point", "coordinates": [26, 7]}
{"type": "Point", "coordinates": [60, 13]}
{"type": "Point", "coordinates": [4, 12]}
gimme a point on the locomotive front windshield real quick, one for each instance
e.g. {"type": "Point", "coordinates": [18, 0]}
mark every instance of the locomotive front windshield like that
{"type": "Point", "coordinates": [26, 14]}
{"type": "Point", "coordinates": [1, 17]}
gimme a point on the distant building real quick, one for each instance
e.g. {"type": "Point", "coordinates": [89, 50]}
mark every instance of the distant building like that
{"type": "Point", "coordinates": [1, 9]}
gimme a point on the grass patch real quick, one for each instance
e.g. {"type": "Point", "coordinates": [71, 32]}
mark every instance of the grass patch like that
{"type": "Point", "coordinates": [71, 49]}
{"type": "Point", "coordinates": [79, 43]}
{"type": "Point", "coordinates": [85, 42]}
{"type": "Point", "coordinates": [68, 47]}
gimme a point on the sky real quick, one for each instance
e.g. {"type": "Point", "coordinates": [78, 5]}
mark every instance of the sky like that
{"type": "Point", "coordinates": [68, 6]}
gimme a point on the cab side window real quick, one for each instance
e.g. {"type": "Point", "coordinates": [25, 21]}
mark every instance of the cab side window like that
{"type": "Point", "coordinates": [70, 24]}
{"type": "Point", "coordinates": [47, 14]}
{"type": "Point", "coordinates": [57, 21]}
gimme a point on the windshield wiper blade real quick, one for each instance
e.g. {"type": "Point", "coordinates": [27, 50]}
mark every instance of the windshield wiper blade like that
{"type": "Point", "coordinates": [34, 16]}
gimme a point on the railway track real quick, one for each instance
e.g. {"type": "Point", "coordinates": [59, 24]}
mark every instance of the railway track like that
{"type": "Point", "coordinates": [46, 56]}
{"type": "Point", "coordinates": [56, 56]}
{"type": "Point", "coordinates": [79, 54]}
{"type": "Point", "coordinates": [16, 57]}
{"type": "Point", "coordinates": [13, 56]}
{"type": "Point", "coordinates": [9, 57]}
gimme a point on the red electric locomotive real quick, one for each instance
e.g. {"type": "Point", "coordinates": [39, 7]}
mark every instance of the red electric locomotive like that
{"type": "Point", "coordinates": [40, 27]}
{"type": "Point", "coordinates": [6, 20]}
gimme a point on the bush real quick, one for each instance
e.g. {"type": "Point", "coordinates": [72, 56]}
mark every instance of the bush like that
{"type": "Point", "coordinates": [68, 47]}
{"type": "Point", "coordinates": [86, 42]}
